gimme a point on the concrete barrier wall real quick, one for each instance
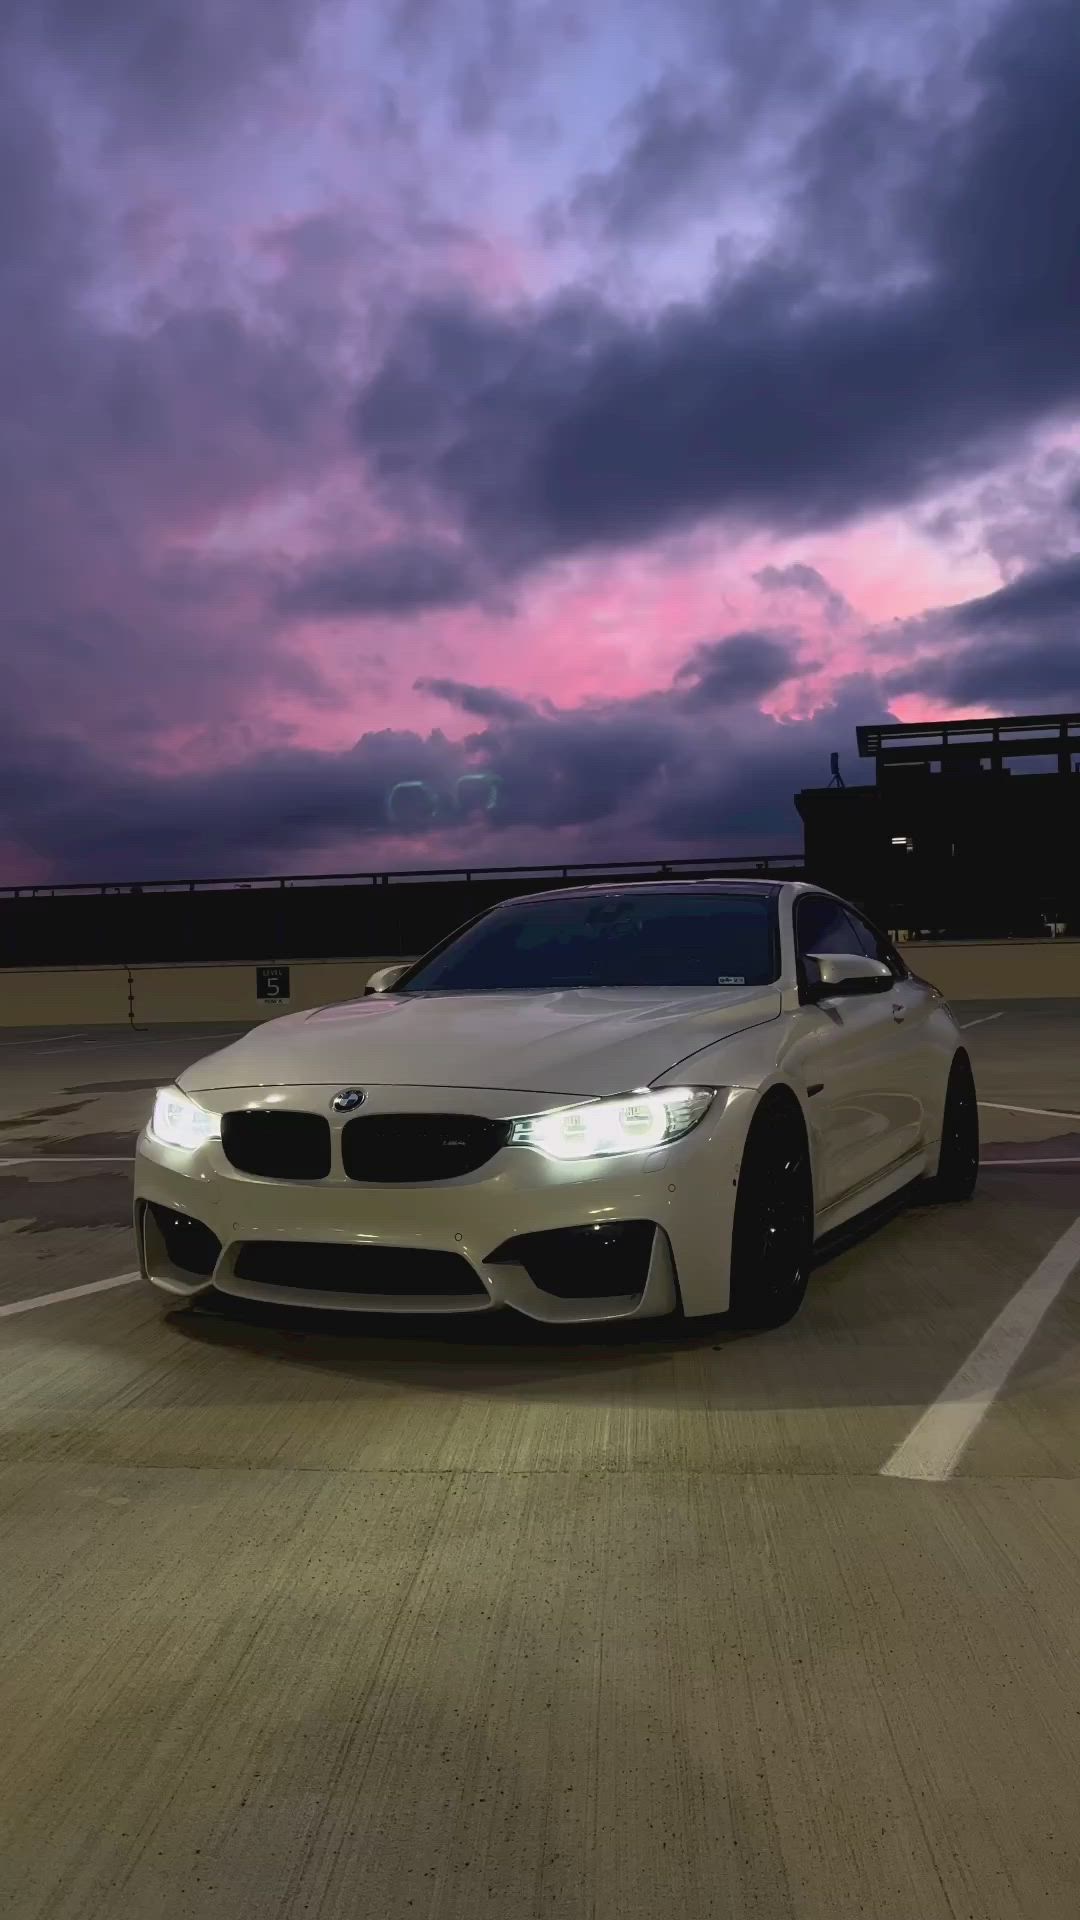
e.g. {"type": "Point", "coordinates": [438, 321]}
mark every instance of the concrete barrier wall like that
{"type": "Point", "coordinates": [153, 996]}
{"type": "Point", "coordinates": [999, 969]}
{"type": "Point", "coordinates": [195, 995]}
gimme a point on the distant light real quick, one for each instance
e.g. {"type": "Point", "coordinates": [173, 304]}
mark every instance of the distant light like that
{"type": "Point", "coordinates": [903, 840]}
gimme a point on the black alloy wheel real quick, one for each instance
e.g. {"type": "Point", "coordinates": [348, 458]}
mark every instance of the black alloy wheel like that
{"type": "Point", "coordinates": [773, 1234]}
{"type": "Point", "coordinates": [958, 1166]}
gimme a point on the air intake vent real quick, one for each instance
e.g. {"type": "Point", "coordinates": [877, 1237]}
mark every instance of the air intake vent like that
{"type": "Point", "coordinates": [277, 1146]}
{"type": "Point", "coordinates": [189, 1245]}
{"type": "Point", "coordinates": [600, 1262]}
{"type": "Point", "coordinates": [404, 1148]}
{"type": "Point", "coordinates": [314, 1266]}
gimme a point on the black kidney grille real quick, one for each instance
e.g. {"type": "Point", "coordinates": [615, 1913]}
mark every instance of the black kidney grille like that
{"type": "Point", "coordinates": [413, 1147]}
{"type": "Point", "coordinates": [314, 1266]}
{"type": "Point", "coordinates": [279, 1146]}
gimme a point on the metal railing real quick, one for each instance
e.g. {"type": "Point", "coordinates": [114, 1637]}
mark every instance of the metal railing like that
{"type": "Point", "coordinates": [764, 863]}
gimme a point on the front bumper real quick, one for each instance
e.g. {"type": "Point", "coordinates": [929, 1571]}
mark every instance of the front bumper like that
{"type": "Point", "coordinates": [685, 1191]}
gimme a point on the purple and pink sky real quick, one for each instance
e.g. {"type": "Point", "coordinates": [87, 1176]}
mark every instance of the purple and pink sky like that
{"type": "Point", "coordinates": [621, 402]}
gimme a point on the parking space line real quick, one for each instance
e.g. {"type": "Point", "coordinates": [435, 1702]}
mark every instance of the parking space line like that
{"type": "Point", "coordinates": [982, 1020]}
{"type": "Point", "coordinates": [75, 1043]}
{"type": "Point", "coordinates": [206, 1033]}
{"type": "Point", "coordinates": [68, 1293]}
{"type": "Point", "coordinates": [938, 1438]}
{"type": "Point", "coordinates": [68, 1160]}
{"type": "Point", "coordinates": [1060, 1160]}
{"type": "Point", "coordinates": [44, 1039]}
{"type": "Point", "coordinates": [1044, 1113]}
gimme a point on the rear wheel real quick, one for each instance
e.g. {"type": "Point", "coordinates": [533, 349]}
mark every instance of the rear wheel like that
{"type": "Point", "coordinates": [773, 1234]}
{"type": "Point", "coordinates": [958, 1165]}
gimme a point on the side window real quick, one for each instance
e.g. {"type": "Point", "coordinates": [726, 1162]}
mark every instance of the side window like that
{"type": "Point", "coordinates": [875, 944]}
{"type": "Point", "coordinates": [822, 926]}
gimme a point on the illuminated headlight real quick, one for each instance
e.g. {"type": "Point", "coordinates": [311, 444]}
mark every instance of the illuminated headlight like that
{"type": "Point", "coordinates": [179, 1122]}
{"type": "Point", "coordinates": [630, 1124]}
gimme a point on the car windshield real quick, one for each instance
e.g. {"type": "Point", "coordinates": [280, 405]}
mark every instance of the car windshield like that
{"type": "Point", "coordinates": [609, 940]}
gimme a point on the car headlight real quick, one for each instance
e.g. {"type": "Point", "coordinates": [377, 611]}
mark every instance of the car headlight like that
{"type": "Point", "coordinates": [631, 1124]}
{"type": "Point", "coordinates": [180, 1122]}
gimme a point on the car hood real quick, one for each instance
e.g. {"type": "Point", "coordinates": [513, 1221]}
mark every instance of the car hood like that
{"type": "Point", "coordinates": [580, 1042]}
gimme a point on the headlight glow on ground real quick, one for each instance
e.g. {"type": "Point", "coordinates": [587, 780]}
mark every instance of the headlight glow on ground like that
{"type": "Point", "coordinates": [180, 1122]}
{"type": "Point", "coordinates": [631, 1124]}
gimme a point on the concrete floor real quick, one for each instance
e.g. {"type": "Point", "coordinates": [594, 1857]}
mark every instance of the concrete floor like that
{"type": "Point", "coordinates": [390, 1619]}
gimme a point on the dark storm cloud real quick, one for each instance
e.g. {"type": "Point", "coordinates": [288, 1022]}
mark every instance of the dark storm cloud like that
{"type": "Point", "coordinates": [775, 399]}
{"type": "Point", "coordinates": [741, 667]}
{"type": "Point", "coordinates": [799, 578]}
{"type": "Point", "coordinates": [691, 134]}
{"type": "Point", "coordinates": [858, 205]}
{"type": "Point", "coordinates": [484, 57]}
{"type": "Point", "coordinates": [1000, 675]}
{"type": "Point", "coordinates": [1044, 594]}
{"type": "Point", "coordinates": [1017, 647]}
{"type": "Point", "coordinates": [85, 814]}
{"type": "Point", "coordinates": [485, 703]}
{"type": "Point", "coordinates": [119, 445]}
{"type": "Point", "coordinates": [617, 778]}
{"type": "Point", "coordinates": [674, 147]}
{"type": "Point", "coordinates": [395, 579]}
{"type": "Point", "coordinates": [159, 66]}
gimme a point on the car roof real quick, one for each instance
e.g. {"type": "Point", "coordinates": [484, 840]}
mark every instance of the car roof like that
{"type": "Point", "coordinates": [764, 889]}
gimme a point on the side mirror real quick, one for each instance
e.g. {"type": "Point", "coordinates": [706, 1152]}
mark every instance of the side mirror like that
{"type": "Point", "coordinates": [845, 973]}
{"type": "Point", "coordinates": [384, 979]}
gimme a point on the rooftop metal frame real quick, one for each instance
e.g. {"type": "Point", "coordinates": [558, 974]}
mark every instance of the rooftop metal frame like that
{"type": "Point", "coordinates": [898, 743]}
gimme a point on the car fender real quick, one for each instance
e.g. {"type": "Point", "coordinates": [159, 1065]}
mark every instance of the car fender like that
{"type": "Point", "coordinates": [700, 1229]}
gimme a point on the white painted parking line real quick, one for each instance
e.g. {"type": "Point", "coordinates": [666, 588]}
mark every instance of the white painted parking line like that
{"type": "Point", "coordinates": [1061, 1160]}
{"type": "Point", "coordinates": [45, 1040]}
{"type": "Point", "coordinates": [77, 1043]}
{"type": "Point", "coordinates": [982, 1020]}
{"type": "Point", "coordinates": [1044, 1113]}
{"type": "Point", "coordinates": [69, 1160]}
{"type": "Point", "coordinates": [939, 1437]}
{"type": "Point", "coordinates": [207, 1033]}
{"type": "Point", "coordinates": [68, 1293]}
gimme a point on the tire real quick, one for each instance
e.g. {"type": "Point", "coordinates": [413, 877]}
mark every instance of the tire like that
{"type": "Point", "coordinates": [958, 1165]}
{"type": "Point", "coordinates": [772, 1236]}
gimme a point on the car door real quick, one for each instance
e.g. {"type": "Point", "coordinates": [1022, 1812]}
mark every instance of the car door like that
{"type": "Point", "coordinates": [913, 1003]}
{"type": "Point", "coordinates": [852, 1050]}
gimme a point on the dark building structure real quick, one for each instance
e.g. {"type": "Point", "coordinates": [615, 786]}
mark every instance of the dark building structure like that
{"type": "Point", "coordinates": [971, 828]}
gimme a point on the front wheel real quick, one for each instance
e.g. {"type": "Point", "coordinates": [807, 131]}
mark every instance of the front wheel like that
{"type": "Point", "coordinates": [958, 1164]}
{"type": "Point", "coordinates": [773, 1233]}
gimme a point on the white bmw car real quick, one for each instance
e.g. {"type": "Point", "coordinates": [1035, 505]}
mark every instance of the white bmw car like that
{"type": "Point", "coordinates": [598, 1104]}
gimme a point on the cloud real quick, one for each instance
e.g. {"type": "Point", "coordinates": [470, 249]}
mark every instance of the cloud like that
{"type": "Point", "coordinates": [744, 666]}
{"type": "Point", "coordinates": [730, 117]}
{"type": "Point", "coordinates": [673, 768]}
{"type": "Point", "coordinates": [998, 676]}
{"type": "Point", "coordinates": [799, 578]}
{"type": "Point", "coordinates": [1045, 594]}
{"type": "Point", "coordinates": [674, 149]}
{"type": "Point", "coordinates": [164, 66]}
{"type": "Point", "coordinates": [485, 703]}
{"type": "Point", "coordinates": [236, 304]}
{"type": "Point", "coordinates": [396, 579]}
{"type": "Point", "coordinates": [777, 399]}
{"type": "Point", "coordinates": [1013, 648]}
{"type": "Point", "coordinates": [124, 445]}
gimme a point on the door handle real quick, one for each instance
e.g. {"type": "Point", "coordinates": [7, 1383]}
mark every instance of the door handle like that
{"type": "Point", "coordinates": [898, 1010]}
